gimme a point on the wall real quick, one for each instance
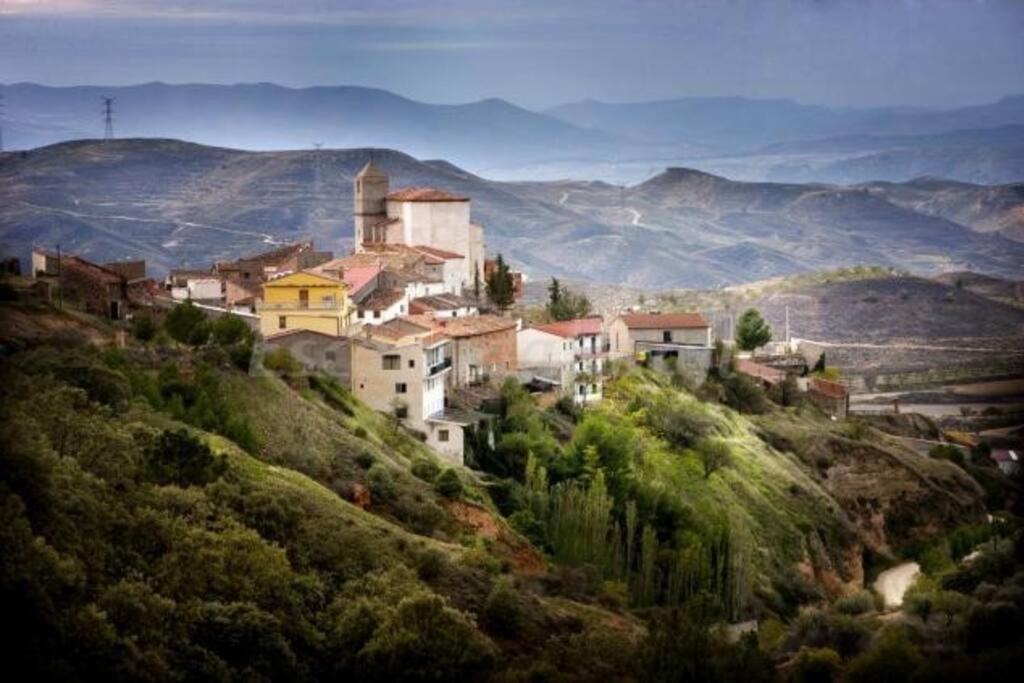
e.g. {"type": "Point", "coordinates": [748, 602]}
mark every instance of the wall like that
{"type": "Point", "coordinates": [375, 386]}
{"type": "Point", "coordinates": [494, 354]}
{"type": "Point", "coordinates": [312, 351]}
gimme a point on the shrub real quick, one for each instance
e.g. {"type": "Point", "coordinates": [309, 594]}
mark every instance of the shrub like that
{"type": "Point", "coordinates": [816, 666]}
{"type": "Point", "coordinates": [744, 395]}
{"type": "Point", "coordinates": [613, 594]}
{"type": "Point", "coordinates": [143, 327]}
{"type": "Point", "coordinates": [365, 459]}
{"type": "Point", "coordinates": [503, 614]}
{"type": "Point", "coordinates": [430, 564]}
{"type": "Point", "coordinates": [187, 324]}
{"type": "Point", "coordinates": [448, 484]}
{"type": "Point", "coordinates": [947, 452]}
{"type": "Point", "coordinates": [714, 454]}
{"type": "Point", "coordinates": [891, 658]}
{"type": "Point", "coordinates": [381, 482]}
{"type": "Point", "coordinates": [425, 469]}
{"type": "Point", "coordinates": [230, 329]}
{"type": "Point", "coordinates": [858, 603]}
{"type": "Point", "coordinates": [177, 457]}
{"type": "Point", "coordinates": [359, 432]}
{"type": "Point", "coordinates": [281, 361]}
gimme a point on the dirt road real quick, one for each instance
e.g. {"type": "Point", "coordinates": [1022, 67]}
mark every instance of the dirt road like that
{"type": "Point", "coordinates": [893, 583]}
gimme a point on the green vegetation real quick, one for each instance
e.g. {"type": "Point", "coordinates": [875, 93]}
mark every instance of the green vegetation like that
{"type": "Point", "coordinates": [500, 285]}
{"type": "Point", "coordinates": [752, 331]}
{"type": "Point", "coordinates": [565, 305]}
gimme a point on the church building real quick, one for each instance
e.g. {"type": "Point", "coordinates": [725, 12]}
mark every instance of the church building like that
{"type": "Point", "coordinates": [417, 217]}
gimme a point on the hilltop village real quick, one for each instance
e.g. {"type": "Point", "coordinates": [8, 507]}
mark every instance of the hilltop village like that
{"type": "Point", "coordinates": [408, 321]}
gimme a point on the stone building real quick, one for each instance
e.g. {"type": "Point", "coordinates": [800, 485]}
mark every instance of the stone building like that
{"type": "Point", "coordinates": [483, 348]}
{"type": "Point", "coordinates": [316, 351]}
{"type": "Point", "coordinates": [569, 354]}
{"type": "Point", "coordinates": [417, 217]}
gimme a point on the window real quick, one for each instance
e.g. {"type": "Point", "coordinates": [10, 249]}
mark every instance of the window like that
{"type": "Point", "coordinates": [329, 355]}
{"type": "Point", "coordinates": [666, 336]}
{"type": "Point", "coordinates": [401, 387]}
{"type": "Point", "coordinates": [362, 314]}
{"type": "Point", "coordinates": [376, 315]}
{"type": "Point", "coordinates": [442, 435]}
{"type": "Point", "coordinates": [412, 362]}
{"type": "Point", "coordinates": [282, 322]}
{"type": "Point", "coordinates": [391, 361]}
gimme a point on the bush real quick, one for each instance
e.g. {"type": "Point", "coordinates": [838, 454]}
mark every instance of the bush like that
{"type": "Point", "coordinates": [359, 432]}
{"type": "Point", "coordinates": [816, 666]}
{"type": "Point", "coordinates": [892, 657]}
{"type": "Point", "coordinates": [281, 361]}
{"type": "Point", "coordinates": [613, 594]}
{"type": "Point", "coordinates": [381, 482]}
{"type": "Point", "coordinates": [502, 613]}
{"type": "Point", "coordinates": [858, 603]}
{"type": "Point", "coordinates": [714, 454]}
{"type": "Point", "coordinates": [742, 394]}
{"type": "Point", "coordinates": [230, 329]}
{"type": "Point", "coordinates": [177, 457]}
{"type": "Point", "coordinates": [448, 484]}
{"type": "Point", "coordinates": [425, 469]}
{"type": "Point", "coordinates": [143, 327]}
{"type": "Point", "coordinates": [947, 452]}
{"type": "Point", "coordinates": [430, 564]}
{"type": "Point", "coordinates": [187, 324]}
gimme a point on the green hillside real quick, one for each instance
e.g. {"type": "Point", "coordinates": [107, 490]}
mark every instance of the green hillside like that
{"type": "Point", "coordinates": [170, 514]}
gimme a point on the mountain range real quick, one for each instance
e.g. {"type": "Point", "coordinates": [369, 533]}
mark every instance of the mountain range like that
{"type": "Point", "coordinates": [744, 139]}
{"type": "Point", "coordinates": [176, 203]}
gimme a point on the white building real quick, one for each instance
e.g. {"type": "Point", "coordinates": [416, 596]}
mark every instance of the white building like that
{"type": "Point", "coordinates": [569, 353]}
{"type": "Point", "coordinates": [423, 218]}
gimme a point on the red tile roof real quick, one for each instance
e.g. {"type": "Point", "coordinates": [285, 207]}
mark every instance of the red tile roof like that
{"type": "Point", "coordinates": [382, 299]}
{"type": "Point", "coordinates": [439, 253]}
{"type": "Point", "coordinates": [758, 371]}
{"type": "Point", "coordinates": [356, 277]}
{"type": "Point", "coordinates": [827, 387]}
{"type": "Point", "coordinates": [664, 321]}
{"type": "Point", "coordinates": [473, 325]}
{"type": "Point", "coordinates": [425, 194]}
{"type": "Point", "coordinates": [573, 328]}
{"type": "Point", "coordinates": [397, 328]}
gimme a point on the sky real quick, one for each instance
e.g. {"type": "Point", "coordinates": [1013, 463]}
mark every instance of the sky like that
{"type": "Point", "coordinates": [536, 53]}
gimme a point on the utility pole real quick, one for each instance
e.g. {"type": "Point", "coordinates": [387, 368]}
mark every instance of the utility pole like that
{"type": "Point", "coordinates": [787, 324]}
{"type": "Point", "coordinates": [108, 118]}
{"type": "Point", "coordinates": [1, 122]}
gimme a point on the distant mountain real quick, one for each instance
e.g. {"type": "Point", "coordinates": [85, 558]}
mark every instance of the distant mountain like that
{"type": "Point", "coordinates": [264, 116]}
{"type": "Point", "coordinates": [177, 203]}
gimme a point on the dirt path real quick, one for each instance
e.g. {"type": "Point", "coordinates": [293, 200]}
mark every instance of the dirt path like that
{"type": "Point", "coordinates": [636, 216]}
{"type": "Point", "coordinates": [900, 345]}
{"type": "Point", "coordinates": [893, 583]}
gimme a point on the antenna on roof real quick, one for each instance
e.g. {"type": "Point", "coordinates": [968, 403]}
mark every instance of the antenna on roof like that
{"type": "Point", "coordinates": [108, 118]}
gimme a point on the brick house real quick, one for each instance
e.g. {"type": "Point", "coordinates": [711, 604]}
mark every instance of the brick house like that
{"type": "Point", "coordinates": [483, 348]}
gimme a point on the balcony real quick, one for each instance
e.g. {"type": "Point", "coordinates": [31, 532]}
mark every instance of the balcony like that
{"type": "Point", "coordinates": [301, 306]}
{"type": "Point", "coordinates": [439, 367]}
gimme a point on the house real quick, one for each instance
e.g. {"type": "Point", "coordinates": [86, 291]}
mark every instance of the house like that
{"type": "Point", "coordinates": [400, 368]}
{"type": "Point", "coordinates": [194, 285]}
{"type": "Point", "coordinates": [483, 347]}
{"type": "Point", "coordinates": [382, 306]}
{"type": "Point", "coordinates": [307, 301]}
{"type": "Point", "coordinates": [767, 377]}
{"type": "Point", "coordinates": [1007, 460]}
{"type": "Point", "coordinates": [681, 340]}
{"type": "Point", "coordinates": [256, 269]}
{"type": "Point", "coordinates": [444, 306]}
{"type": "Point", "coordinates": [96, 289]}
{"type": "Point", "coordinates": [832, 397]}
{"type": "Point", "coordinates": [417, 216]}
{"type": "Point", "coordinates": [569, 354]}
{"type": "Point", "coordinates": [318, 352]}
{"type": "Point", "coordinates": [130, 270]}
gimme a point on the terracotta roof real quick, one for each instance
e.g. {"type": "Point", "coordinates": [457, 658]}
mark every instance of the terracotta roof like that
{"type": "Point", "coordinates": [762, 372]}
{"type": "Point", "coordinates": [827, 387]}
{"type": "Point", "coordinates": [664, 321]}
{"type": "Point", "coordinates": [396, 329]}
{"type": "Point", "coordinates": [425, 194]}
{"type": "Point", "coordinates": [439, 302]}
{"type": "Point", "coordinates": [473, 325]}
{"type": "Point", "coordinates": [439, 253]}
{"type": "Point", "coordinates": [272, 256]}
{"type": "Point", "coordinates": [402, 251]}
{"type": "Point", "coordinates": [93, 269]}
{"type": "Point", "coordinates": [382, 299]}
{"type": "Point", "coordinates": [573, 328]}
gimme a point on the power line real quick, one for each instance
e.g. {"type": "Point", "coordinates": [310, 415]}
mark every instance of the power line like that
{"type": "Point", "coordinates": [108, 118]}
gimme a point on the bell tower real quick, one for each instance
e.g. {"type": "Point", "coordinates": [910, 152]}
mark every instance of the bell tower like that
{"type": "Point", "coordinates": [370, 192]}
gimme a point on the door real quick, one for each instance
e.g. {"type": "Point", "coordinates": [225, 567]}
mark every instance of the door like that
{"type": "Point", "coordinates": [303, 298]}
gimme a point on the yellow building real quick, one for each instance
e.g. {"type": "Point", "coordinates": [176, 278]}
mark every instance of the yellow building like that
{"type": "Point", "coordinates": [305, 301]}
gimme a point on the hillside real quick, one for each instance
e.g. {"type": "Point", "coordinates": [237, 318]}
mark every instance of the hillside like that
{"type": "Point", "coordinates": [176, 203]}
{"type": "Point", "coordinates": [172, 515]}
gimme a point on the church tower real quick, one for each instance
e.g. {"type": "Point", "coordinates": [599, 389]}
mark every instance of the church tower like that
{"type": "Point", "coordinates": [371, 191]}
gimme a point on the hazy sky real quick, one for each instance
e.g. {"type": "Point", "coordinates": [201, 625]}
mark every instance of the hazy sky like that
{"type": "Point", "coordinates": [535, 53]}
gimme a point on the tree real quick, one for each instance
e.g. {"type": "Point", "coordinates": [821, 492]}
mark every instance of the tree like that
{"type": "Point", "coordinates": [143, 327]}
{"type": "Point", "coordinates": [448, 484]}
{"type": "Point", "coordinates": [564, 304]}
{"type": "Point", "coordinates": [817, 666]}
{"type": "Point", "coordinates": [714, 454]}
{"type": "Point", "coordinates": [230, 329]}
{"type": "Point", "coordinates": [500, 285]}
{"type": "Point", "coordinates": [752, 331]}
{"type": "Point", "coordinates": [179, 458]}
{"type": "Point", "coordinates": [187, 324]}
